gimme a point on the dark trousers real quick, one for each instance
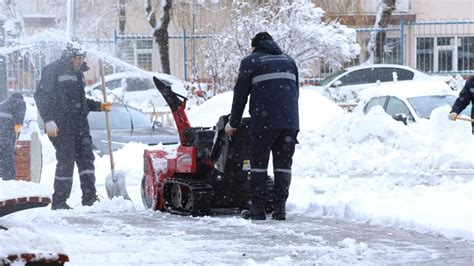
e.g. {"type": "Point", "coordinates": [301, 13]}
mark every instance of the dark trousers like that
{"type": "Point", "coordinates": [281, 143]}
{"type": "Point", "coordinates": [7, 159]}
{"type": "Point", "coordinates": [72, 149]}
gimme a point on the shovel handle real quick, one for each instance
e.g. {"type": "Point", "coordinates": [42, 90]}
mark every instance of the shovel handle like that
{"type": "Point", "coordinates": [464, 118]}
{"type": "Point", "coordinates": [107, 119]}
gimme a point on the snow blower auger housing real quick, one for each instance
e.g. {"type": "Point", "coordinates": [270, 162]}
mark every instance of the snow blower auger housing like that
{"type": "Point", "coordinates": [209, 170]}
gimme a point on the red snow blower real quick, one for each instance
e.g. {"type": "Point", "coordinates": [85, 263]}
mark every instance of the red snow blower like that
{"type": "Point", "coordinates": [208, 171]}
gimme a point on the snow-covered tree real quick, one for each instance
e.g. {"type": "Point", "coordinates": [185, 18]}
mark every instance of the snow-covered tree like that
{"type": "Point", "coordinates": [298, 28]}
{"type": "Point", "coordinates": [160, 30]}
{"type": "Point", "coordinates": [377, 39]}
{"type": "Point", "coordinates": [12, 18]}
{"type": "Point", "coordinates": [94, 18]}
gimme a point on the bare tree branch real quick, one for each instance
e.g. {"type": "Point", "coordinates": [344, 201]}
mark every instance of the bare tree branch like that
{"type": "Point", "coordinates": [377, 40]}
{"type": "Point", "coordinates": [160, 31]}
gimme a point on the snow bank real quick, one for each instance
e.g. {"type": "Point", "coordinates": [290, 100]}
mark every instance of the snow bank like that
{"type": "Point", "coordinates": [315, 110]}
{"type": "Point", "coordinates": [371, 168]}
{"type": "Point", "coordinates": [18, 189]}
{"type": "Point", "coordinates": [17, 240]}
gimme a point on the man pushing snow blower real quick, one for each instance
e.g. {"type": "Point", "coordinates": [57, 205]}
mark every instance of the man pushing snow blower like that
{"type": "Point", "coordinates": [270, 77]}
{"type": "Point", "coordinates": [62, 104]}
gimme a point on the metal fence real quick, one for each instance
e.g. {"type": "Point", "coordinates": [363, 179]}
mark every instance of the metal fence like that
{"type": "Point", "coordinates": [436, 47]}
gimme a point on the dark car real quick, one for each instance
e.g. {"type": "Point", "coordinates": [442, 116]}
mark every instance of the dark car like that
{"type": "Point", "coordinates": [128, 125]}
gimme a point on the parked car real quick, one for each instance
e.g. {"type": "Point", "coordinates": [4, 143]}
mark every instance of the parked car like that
{"type": "Point", "coordinates": [409, 101]}
{"type": "Point", "coordinates": [343, 86]}
{"type": "Point", "coordinates": [136, 88]}
{"type": "Point", "coordinates": [128, 125]}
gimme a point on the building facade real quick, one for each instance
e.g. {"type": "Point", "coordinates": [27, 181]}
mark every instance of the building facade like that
{"type": "Point", "coordinates": [435, 36]}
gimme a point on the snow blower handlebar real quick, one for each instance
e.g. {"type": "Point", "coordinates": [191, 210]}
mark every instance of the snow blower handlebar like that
{"type": "Point", "coordinates": [176, 105]}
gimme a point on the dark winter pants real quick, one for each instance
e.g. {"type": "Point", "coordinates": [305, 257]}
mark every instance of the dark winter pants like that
{"type": "Point", "coordinates": [72, 149]}
{"type": "Point", "coordinates": [7, 159]}
{"type": "Point", "coordinates": [282, 145]}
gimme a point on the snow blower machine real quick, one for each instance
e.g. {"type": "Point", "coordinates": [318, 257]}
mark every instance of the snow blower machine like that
{"type": "Point", "coordinates": [209, 171]}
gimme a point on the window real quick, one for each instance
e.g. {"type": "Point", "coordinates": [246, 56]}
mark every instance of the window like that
{"type": "Point", "coordinates": [138, 52]}
{"type": "Point", "coordinates": [359, 77]}
{"type": "Point", "coordinates": [136, 84]}
{"type": "Point", "coordinates": [144, 61]}
{"type": "Point", "coordinates": [396, 106]}
{"type": "Point", "coordinates": [385, 74]}
{"type": "Point", "coordinates": [114, 84]}
{"type": "Point", "coordinates": [144, 44]}
{"type": "Point", "coordinates": [139, 84]}
{"type": "Point", "coordinates": [424, 105]}
{"type": "Point", "coordinates": [425, 54]}
{"type": "Point", "coordinates": [466, 53]}
{"type": "Point", "coordinates": [404, 74]}
{"type": "Point", "coordinates": [377, 101]}
{"type": "Point", "coordinates": [445, 60]}
{"type": "Point", "coordinates": [144, 54]}
{"type": "Point", "coordinates": [126, 51]}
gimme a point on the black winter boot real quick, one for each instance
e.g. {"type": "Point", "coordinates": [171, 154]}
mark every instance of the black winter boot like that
{"type": "Point", "coordinates": [279, 212]}
{"type": "Point", "coordinates": [60, 206]}
{"type": "Point", "coordinates": [254, 213]}
{"type": "Point", "coordinates": [89, 201]}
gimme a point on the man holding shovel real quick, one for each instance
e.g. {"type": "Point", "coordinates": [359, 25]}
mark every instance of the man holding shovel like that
{"type": "Point", "coordinates": [62, 104]}
{"type": "Point", "coordinates": [466, 96]}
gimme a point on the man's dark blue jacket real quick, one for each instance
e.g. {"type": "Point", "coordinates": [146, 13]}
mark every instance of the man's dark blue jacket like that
{"type": "Point", "coordinates": [12, 112]}
{"type": "Point", "coordinates": [60, 97]}
{"type": "Point", "coordinates": [271, 79]}
{"type": "Point", "coordinates": [466, 96]}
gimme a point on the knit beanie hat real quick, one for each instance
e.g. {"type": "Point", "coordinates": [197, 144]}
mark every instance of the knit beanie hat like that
{"type": "Point", "coordinates": [260, 37]}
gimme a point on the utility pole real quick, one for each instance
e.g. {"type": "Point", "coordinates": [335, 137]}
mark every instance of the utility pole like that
{"type": "Point", "coordinates": [71, 14]}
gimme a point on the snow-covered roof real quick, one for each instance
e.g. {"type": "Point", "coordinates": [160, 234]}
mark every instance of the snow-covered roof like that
{"type": "Point", "coordinates": [407, 89]}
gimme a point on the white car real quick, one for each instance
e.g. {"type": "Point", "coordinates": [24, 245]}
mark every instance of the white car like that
{"type": "Point", "coordinates": [137, 89]}
{"type": "Point", "coordinates": [408, 101]}
{"type": "Point", "coordinates": [343, 86]}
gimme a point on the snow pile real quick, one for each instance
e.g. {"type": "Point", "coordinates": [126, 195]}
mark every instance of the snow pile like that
{"type": "Point", "coordinates": [356, 144]}
{"type": "Point", "coordinates": [371, 168]}
{"type": "Point", "coordinates": [19, 189]}
{"type": "Point", "coordinates": [310, 103]}
{"type": "Point", "coordinates": [429, 204]}
{"type": "Point", "coordinates": [23, 240]}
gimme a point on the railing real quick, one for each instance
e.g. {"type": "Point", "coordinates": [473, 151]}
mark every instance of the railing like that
{"type": "Point", "coordinates": [435, 47]}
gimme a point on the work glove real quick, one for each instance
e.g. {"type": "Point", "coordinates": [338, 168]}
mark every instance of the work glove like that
{"type": "Point", "coordinates": [453, 116]}
{"type": "Point", "coordinates": [105, 107]}
{"type": "Point", "coordinates": [229, 130]}
{"type": "Point", "coordinates": [17, 129]}
{"type": "Point", "coordinates": [51, 129]}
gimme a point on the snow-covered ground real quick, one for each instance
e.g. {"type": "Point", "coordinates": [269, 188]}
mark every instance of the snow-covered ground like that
{"type": "Point", "coordinates": [365, 190]}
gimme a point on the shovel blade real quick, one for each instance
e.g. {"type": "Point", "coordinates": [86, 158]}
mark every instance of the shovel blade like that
{"type": "Point", "coordinates": [115, 185]}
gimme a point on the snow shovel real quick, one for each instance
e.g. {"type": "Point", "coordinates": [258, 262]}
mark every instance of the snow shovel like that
{"type": "Point", "coordinates": [115, 180]}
